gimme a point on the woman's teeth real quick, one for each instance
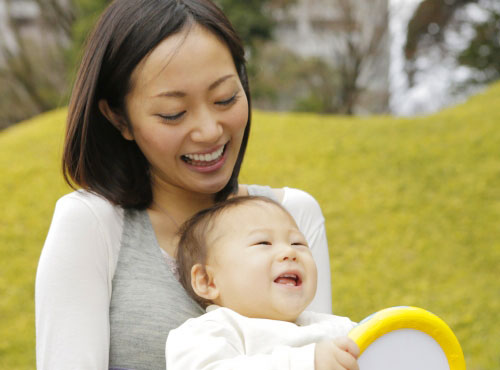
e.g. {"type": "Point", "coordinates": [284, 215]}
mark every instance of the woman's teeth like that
{"type": "Point", "coordinates": [208, 157]}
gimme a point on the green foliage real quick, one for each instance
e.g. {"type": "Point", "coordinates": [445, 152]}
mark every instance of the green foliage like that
{"type": "Point", "coordinates": [252, 19]}
{"type": "Point", "coordinates": [433, 18]}
{"type": "Point", "coordinates": [282, 80]}
{"type": "Point", "coordinates": [36, 75]}
{"type": "Point", "coordinates": [88, 11]}
{"type": "Point", "coordinates": [483, 52]}
{"type": "Point", "coordinates": [436, 12]}
{"type": "Point", "coordinates": [249, 19]}
{"type": "Point", "coordinates": [411, 208]}
{"type": "Point", "coordinates": [31, 72]}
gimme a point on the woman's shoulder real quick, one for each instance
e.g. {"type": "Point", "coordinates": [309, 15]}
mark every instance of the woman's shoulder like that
{"type": "Point", "coordinates": [91, 200]}
{"type": "Point", "coordinates": [304, 208]}
{"type": "Point", "coordinates": [85, 210]}
{"type": "Point", "coordinates": [302, 205]}
{"type": "Point", "coordinates": [85, 224]}
{"type": "Point", "coordinates": [85, 203]}
{"type": "Point", "coordinates": [298, 197]}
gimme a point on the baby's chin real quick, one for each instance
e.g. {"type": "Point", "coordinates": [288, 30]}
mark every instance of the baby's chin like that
{"type": "Point", "coordinates": [274, 316]}
{"type": "Point", "coordinates": [287, 314]}
{"type": "Point", "coordinates": [274, 309]}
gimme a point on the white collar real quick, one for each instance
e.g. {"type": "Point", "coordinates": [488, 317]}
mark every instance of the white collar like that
{"type": "Point", "coordinates": [212, 307]}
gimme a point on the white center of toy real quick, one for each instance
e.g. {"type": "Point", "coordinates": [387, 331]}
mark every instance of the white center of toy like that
{"type": "Point", "coordinates": [406, 349]}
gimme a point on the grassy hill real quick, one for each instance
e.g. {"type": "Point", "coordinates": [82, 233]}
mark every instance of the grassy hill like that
{"type": "Point", "coordinates": [412, 210]}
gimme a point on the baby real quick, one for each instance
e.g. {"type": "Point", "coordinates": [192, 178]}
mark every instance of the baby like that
{"type": "Point", "coordinates": [246, 261]}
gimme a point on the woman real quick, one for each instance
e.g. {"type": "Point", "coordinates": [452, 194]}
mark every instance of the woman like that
{"type": "Point", "coordinates": [157, 129]}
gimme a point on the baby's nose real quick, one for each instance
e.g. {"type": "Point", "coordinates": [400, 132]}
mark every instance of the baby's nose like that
{"type": "Point", "coordinates": [289, 254]}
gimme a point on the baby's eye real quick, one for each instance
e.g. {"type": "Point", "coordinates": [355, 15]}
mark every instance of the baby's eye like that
{"type": "Point", "coordinates": [301, 244]}
{"type": "Point", "coordinates": [264, 242]}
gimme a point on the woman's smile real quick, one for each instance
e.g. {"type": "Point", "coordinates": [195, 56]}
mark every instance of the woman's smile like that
{"type": "Point", "coordinates": [206, 161]}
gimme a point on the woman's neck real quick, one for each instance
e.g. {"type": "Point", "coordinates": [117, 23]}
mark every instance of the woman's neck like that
{"type": "Point", "coordinates": [172, 206]}
{"type": "Point", "coordinates": [181, 205]}
{"type": "Point", "coordinates": [169, 210]}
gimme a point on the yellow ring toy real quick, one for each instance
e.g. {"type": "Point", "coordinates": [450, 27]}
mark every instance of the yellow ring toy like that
{"type": "Point", "coordinates": [390, 320]}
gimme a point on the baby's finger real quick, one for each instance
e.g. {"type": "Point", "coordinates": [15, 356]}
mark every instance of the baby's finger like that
{"type": "Point", "coordinates": [348, 345]}
{"type": "Point", "coordinates": [346, 359]}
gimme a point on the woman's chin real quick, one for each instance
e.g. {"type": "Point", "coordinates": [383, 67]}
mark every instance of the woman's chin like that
{"type": "Point", "coordinates": [212, 188]}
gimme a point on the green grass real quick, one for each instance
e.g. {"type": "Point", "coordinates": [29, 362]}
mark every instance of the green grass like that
{"type": "Point", "coordinates": [412, 209]}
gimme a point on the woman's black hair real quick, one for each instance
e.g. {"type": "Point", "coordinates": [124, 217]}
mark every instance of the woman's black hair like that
{"type": "Point", "coordinates": [96, 156]}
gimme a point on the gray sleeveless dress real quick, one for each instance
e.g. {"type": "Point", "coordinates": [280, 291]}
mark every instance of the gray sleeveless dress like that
{"type": "Point", "coordinates": [147, 300]}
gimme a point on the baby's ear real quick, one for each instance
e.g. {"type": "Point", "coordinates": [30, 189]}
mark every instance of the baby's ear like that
{"type": "Point", "coordinates": [203, 283]}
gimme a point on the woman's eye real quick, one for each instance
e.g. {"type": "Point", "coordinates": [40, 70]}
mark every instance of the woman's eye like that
{"type": "Point", "coordinates": [229, 101]}
{"type": "Point", "coordinates": [171, 117]}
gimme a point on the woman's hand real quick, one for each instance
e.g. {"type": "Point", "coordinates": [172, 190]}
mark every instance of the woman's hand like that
{"type": "Point", "coordinates": [337, 354]}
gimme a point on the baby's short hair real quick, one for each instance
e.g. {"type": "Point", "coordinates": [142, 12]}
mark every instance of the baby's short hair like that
{"type": "Point", "coordinates": [192, 247]}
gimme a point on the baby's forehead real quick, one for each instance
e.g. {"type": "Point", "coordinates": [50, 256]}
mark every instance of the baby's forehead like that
{"type": "Point", "coordinates": [255, 206]}
{"type": "Point", "coordinates": [254, 212]}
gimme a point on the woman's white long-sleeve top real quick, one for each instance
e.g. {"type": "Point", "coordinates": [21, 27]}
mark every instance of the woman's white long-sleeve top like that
{"type": "Point", "coordinates": [74, 283]}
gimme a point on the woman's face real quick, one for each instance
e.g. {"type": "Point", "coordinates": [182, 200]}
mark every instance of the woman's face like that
{"type": "Point", "coordinates": [187, 110]}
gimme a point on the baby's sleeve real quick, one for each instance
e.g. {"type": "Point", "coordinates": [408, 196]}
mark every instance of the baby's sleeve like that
{"type": "Point", "coordinates": [211, 345]}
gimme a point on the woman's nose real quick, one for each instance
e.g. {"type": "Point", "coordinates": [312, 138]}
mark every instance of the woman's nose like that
{"type": "Point", "coordinates": [207, 129]}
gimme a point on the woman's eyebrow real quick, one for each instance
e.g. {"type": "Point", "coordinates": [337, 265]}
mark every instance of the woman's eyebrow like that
{"type": "Point", "coordinates": [181, 94]}
{"type": "Point", "coordinates": [171, 94]}
{"type": "Point", "coordinates": [219, 81]}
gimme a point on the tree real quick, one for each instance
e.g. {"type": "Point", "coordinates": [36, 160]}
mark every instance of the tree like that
{"type": "Point", "coordinates": [252, 18]}
{"type": "Point", "coordinates": [32, 73]}
{"type": "Point", "coordinates": [254, 23]}
{"type": "Point", "coordinates": [433, 20]}
{"type": "Point", "coordinates": [41, 58]}
{"type": "Point", "coordinates": [350, 71]}
{"type": "Point", "coordinates": [361, 49]}
{"type": "Point", "coordinates": [39, 65]}
{"type": "Point", "coordinates": [86, 14]}
{"type": "Point", "coordinates": [285, 81]}
{"type": "Point", "coordinates": [483, 52]}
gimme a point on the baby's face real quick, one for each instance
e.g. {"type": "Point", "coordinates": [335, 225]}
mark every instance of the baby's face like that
{"type": "Point", "coordinates": [262, 265]}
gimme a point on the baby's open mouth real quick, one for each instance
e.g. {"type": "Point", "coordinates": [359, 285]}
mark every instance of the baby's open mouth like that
{"type": "Point", "coordinates": [289, 279]}
{"type": "Point", "coordinates": [206, 159]}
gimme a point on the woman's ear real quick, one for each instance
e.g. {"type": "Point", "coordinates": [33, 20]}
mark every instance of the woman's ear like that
{"type": "Point", "coordinates": [203, 283]}
{"type": "Point", "coordinates": [116, 119]}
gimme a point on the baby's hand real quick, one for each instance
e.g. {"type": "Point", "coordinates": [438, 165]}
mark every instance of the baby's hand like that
{"type": "Point", "coordinates": [337, 354]}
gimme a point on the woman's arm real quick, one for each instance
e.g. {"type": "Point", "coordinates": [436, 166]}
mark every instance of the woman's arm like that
{"type": "Point", "coordinates": [322, 302]}
{"type": "Point", "coordinates": [307, 213]}
{"type": "Point", "coordinates": [73, 288]}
